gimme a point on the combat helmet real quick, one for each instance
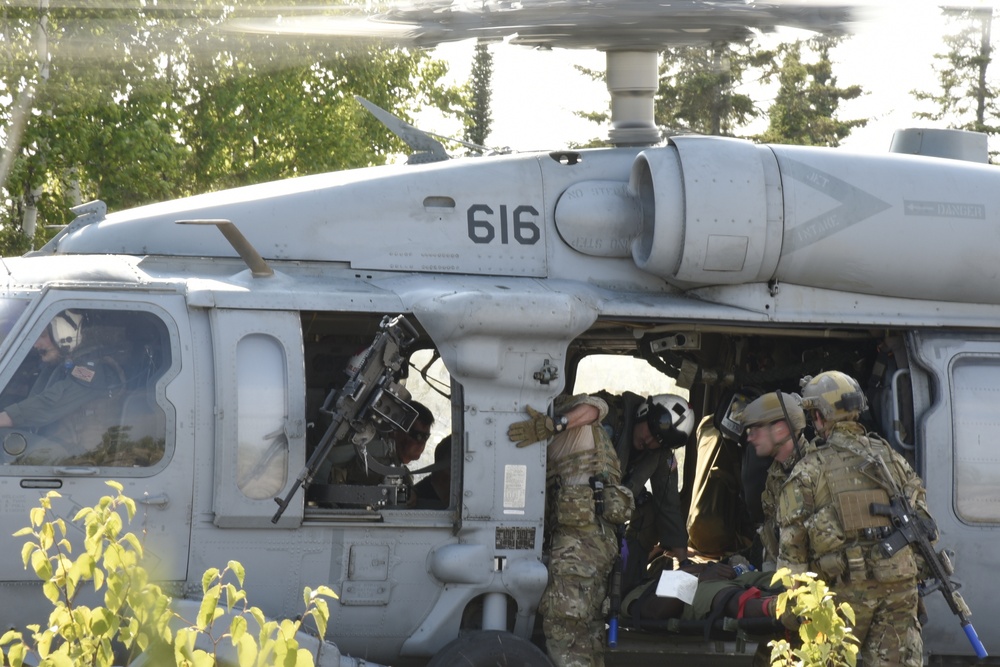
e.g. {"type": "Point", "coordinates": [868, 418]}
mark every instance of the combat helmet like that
{"type": "Point", "coordinates": [670, 419]}
{"type": "Point", "coordinates": [835, 395]}
{"type": "Point", "coordinates": [774, 406]}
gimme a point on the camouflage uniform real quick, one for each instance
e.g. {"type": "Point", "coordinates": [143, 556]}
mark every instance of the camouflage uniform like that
{"type": "Point", "coordinates": [777, 475]}
{"type": "Point", "coordinates": [823, 516]}
{"type": "Point", "coordinates": [582, 545]}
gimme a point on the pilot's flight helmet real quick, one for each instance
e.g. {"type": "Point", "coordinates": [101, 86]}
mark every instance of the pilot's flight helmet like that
{"type": "Point", "coordinates": [837, 396]}
{"type": "Point", "coordinates": [66, 330]}
{"type": "Point", "coordinates": [670, 419]}
{"type": "Point", "coordinates": [773, 406]}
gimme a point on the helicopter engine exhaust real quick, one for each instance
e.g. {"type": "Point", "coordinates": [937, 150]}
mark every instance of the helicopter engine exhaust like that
{"type": "Point", "coordinates": [718, 211]}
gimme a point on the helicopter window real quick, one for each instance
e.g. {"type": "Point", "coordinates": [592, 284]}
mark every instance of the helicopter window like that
{"type": "Point", "coordinates": [10, 311]}
{"type": "Point", "coordinates": [84, 392]}
{"type": "Point", "coordinates": [975, 421]}
{"type": "Point", "coordinates": [262, 454]}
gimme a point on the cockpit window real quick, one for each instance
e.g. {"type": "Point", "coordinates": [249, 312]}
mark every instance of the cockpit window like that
{"type": "Point", "coordinates": [10, 311]}
{"type": "Point", "coordinates": [85, 393]}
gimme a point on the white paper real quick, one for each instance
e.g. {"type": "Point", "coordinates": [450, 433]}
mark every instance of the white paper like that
{"type": "Point", "coordinates": [677, 584]}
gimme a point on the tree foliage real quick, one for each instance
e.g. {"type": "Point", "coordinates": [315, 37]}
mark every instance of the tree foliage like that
{"type": "Point", "coordinates": [709, 89]}
{"type": "Point", "coordinates": [966, 98]}
{"type": "Point", "coordinates": [808, 98]}
{"type": "Point", "coordinates": [142, 102]}
{"type": "Point", "coordinates": [700, 87]}
{"type": "Point", "coordinates": [136, 618]}
{"type": "Point", "coordinates": [824, 632]}
{"type": "Point", "coordinates": [478, 119]}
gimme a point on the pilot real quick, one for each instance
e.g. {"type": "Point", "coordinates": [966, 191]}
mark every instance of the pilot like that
{"type": "Point", "coordinates": [69, 404]}
{"type": "Point", "coordinates": [645, 432]}
{"type": "Point", "coordinates": [773, 425]}
{"type": "Point", "coordinates": [826, 525]}
{"type": "Point", "coordinates": [581, 468]}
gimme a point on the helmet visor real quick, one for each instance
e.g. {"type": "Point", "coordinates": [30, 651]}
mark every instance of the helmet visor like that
{"type": "Point", "coordinates": [662, 422]}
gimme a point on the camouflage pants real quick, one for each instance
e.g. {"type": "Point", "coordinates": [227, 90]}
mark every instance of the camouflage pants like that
{"type": "Point", "coordinates": [571, 607]}
{"type": "Point", "coordinates": [885, 622]}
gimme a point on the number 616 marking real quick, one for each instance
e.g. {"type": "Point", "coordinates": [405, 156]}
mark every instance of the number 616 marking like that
{"type": "Point", "coordinates": [483, 225]}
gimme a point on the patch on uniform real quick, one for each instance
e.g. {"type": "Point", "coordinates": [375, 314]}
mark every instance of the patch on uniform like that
{"type": "Point", "coordinates": [855, 512]}
{"type": "Point", "coordinates": [83, 373]}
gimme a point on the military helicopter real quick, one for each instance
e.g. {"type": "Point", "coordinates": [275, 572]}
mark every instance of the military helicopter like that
{"type": "Point", "coordinates": [226, 322]}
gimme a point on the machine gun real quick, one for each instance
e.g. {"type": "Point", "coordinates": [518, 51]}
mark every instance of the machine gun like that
{"type": "Point", "coordinates": [911, 529]}
{"type": "Point", "coordinates": [369, 399]}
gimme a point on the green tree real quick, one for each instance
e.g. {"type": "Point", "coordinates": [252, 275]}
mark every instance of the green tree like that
{"type": "Point", "coordinates": [700, 87]}
{"type": "Point", "coordinates": [805, 107]}
{"type": "Point", "coordinates": [144, 103]}
{"type": "Point", "coordinates": [966, 98]}
{"type": "Point", "coordinates": [478, 118]}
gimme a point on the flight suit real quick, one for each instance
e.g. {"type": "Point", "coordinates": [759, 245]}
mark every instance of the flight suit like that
{"type": "Point", "coordinates": [582, 545]}
{"type": "Point", "coordinates": [660, 519]}
{"type": "Point", "coordinates": [72, 404]}
{"type": "Point", "coordinates": [825, 526]}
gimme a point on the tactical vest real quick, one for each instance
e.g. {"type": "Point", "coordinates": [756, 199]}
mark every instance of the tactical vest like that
{"type": "Point", "coordinates": [573, 501]}
{"type": "Point", "coordinates": [600, 461]}
{"type": "Point", "coordinates": [843, 532]}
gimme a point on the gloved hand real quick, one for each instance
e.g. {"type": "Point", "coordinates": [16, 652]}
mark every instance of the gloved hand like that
{"type": "Point", "coordinates": [539, 427]}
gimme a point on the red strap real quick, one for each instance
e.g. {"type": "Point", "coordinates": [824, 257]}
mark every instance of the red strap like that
{"type": "Point", "coordinates": [751, 593]}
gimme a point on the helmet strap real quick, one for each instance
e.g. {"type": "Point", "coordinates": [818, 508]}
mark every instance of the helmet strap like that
{"type": "Point", "coordinates": [792, 433]}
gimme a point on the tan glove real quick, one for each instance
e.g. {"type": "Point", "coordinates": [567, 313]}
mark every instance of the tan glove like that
{"type": "Point", "coordinates": [539, 427]}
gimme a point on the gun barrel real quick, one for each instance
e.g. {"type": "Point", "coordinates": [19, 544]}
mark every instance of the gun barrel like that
{"type": "Point", "coordinates": [977, 645]}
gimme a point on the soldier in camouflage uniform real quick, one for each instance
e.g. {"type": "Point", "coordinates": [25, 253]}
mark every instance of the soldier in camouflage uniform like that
{"type": "Point", "coordinates": [584, 504]}
{"type": "Point", "coordinates": [827, 527]}
{"type": "Point", "coordinates": [773, 424]}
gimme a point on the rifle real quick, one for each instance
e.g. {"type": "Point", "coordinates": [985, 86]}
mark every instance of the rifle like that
{"type": "Point", "coordinates": [370, 398]}
{"type": "Point", "coordinates": [911, 529]}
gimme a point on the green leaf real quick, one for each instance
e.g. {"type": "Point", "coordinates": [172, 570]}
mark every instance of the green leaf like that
{"type": "Point", "coordinates": [16, 655]}
{"type": "Point", "coordinates": [41, 565]}
{"type": "Point", "coordinates": [231, 596]}
{"type": "Point", "coordinates": [208, 609]}
{"type": "Point", "coordinates": [237, 568]}
{"type": "Point", "coordinates": [26, 551]}
{"type": "Point", "coordinates": [325, 591]}
{"type": "Point", "coordinates": [237, 628]}
{"type": "Point", "coordinates": [210, 575]}
{"type": "Point", "coordinates": [246, 651]}
{"type": "Point", "coordinates": [303, 658]}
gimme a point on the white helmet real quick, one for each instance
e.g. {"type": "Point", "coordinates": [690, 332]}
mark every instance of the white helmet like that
{"type": "Point", "coordinates": [66, 330]}
{"type": "Point", "coordinates": [670, 419]}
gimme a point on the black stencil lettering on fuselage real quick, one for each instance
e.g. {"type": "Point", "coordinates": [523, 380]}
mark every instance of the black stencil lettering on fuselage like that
{"type": "Point", "coordinates": [856, 205]}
